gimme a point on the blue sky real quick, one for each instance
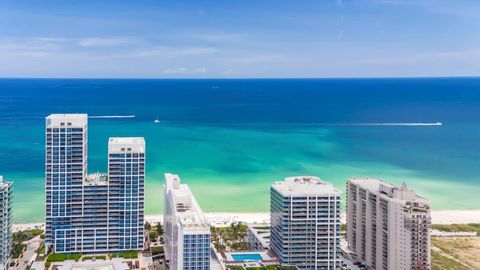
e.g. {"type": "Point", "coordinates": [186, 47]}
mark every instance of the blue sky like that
{"type": "Point", "coordinates": [239, 39]}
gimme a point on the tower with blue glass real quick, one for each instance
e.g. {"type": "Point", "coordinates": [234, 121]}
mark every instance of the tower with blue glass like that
{"type": "Point", "coordinates": [91, 213]}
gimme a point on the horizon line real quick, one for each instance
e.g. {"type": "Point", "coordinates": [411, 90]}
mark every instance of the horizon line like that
{"type": "Point", "coordinates": [238, 78]}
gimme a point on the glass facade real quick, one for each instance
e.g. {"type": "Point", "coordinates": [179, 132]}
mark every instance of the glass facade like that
{"type": "Point", "coordinates": [196, 252]}
{"type": "Point", "coordinates": [305, 229]}
{"type": "Point", "coordinates": [126, 177]}
{"type": "Point", "coordinates": [91, 214]}
{"type": "Point", "coordinates": [65, 170]}
{"type": "Point", "coordinates": [187, 232]}
{"type": "Point", "coordinates": [5, 222]}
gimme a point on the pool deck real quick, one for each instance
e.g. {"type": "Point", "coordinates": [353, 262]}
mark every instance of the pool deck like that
{"type": "Point", "coordinates": [267, 258]}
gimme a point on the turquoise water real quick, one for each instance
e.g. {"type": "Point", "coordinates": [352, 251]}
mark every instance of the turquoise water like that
{"type": "Point", "coordinates": [247, 257]}
{"type": "Point", "coordinates": [229, 140]}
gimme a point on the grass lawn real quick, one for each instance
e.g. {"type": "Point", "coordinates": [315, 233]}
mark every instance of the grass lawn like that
{"type": "Point", "coordinates": [102, 257]}
{"type": "Point", "coordinates": [441, 262]}
{"type": "Point", "coordinates": [57, 257]}
{"type": "Point", "coordinates": [459, 250]}
{"type": "Point", "coordinates": [473, 227]}
{"type": "Point", "coordinates": [131, 254]}
{"type": "Point", "coordinates": [157, 250]}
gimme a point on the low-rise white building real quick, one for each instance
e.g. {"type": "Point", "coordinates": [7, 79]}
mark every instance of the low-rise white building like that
{"type": "Point", "coordinates": [258, 237]}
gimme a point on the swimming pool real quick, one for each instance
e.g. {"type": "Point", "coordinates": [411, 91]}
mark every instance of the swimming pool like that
{"type": "Point", "coordinates": [246, 256]}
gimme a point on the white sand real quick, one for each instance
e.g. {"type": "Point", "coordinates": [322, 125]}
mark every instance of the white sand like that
{"type": "Point", "coordinates": [225, 219]}
{"type": "Point", "coordinates": [456, 216]}
{"type": "Point", "coordinates": [27, 226]}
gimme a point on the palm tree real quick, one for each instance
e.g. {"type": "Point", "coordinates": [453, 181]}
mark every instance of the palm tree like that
{"type": "Point", "coordinates": [159, 229]}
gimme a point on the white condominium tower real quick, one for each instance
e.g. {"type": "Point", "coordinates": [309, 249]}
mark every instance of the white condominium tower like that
{"type": "Point", "coordinates": [94, 213]}
{"type": "Point", "coordinates": [187, 232]}
{"type": "Point", "coordinates": [5, 222]}
{"type": "Point", "coordinates": [388, 227]}
{"type": "Point", "coordinates": [305, 223]}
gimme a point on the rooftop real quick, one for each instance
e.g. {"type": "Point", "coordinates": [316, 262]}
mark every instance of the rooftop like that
{"type": "Point", "coordinates": [187, 210]}
{"type": "Point", "coordinates": [73, 120]}
{"type": "Point", "coordinates": [379, 187]}
{"type": "Point", "coordinates": [68, 116]}
{"type": "Point", "coordinates": [4, 183]}
{"type": "Point", "coordinates": [96, 179]}
{"type": "Point", "coordinates": [126, 144]}
{"type": "Point", "coordinates": [304, 185]}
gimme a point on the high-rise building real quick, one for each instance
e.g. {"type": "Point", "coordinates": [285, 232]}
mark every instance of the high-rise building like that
{"type": "Point", "coordinates": [5, 222]}
{"type": "Point", "coordinates": [65, 173]}
{"type": "Point", "coordinates": [388, 227]}
{"type": "Point", "coordinates": [305, 223]}
{"type": "Point", "coordinates": [93, 213]}
{"type": "Point", "coordinates": [126, 177]}
{"type": "Point", "coordinates": [187, 232]}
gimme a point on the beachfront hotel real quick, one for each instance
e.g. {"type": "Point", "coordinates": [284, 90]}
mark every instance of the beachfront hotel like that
{"type": "Point", "coordinates": [5, 222]}
{"type": "Point", "coordinates": [186, 230]}
{"type": "Point", "coordinates": [388, 227]}
{"type": "Point", "coordinates": [305, 223]}
{"type": "Point", "coordinates": [93, 213]}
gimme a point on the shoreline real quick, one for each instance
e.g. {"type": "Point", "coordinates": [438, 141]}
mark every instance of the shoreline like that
{"type": "Point", "coordinates": [219, 219]}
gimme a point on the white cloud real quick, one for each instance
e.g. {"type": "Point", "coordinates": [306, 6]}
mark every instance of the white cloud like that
{"type": "Point", "coordinates": [174, 52]}
{"type": "Point", "coordinates": [184, 70]}
{"type": "Point", "coordinates": [219, 37]}
{"type": "Point", "coordinates": [253, 59]}
{"type": "Point", "coordinates": [105, 42]}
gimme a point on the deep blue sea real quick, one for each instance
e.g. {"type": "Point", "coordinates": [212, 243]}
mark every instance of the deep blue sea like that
{"type": "Point", "coordinates": [230, 139]}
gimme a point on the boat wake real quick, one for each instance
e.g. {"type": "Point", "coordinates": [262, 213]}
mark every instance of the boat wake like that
{"type": "Point", "coordinates": [111, 116]}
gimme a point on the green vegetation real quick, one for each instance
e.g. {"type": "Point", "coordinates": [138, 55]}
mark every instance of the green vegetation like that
{"type": "Point", "coordinates": [456, 250]}
{"type": "Point", "coordinates": [101, 257]}
{"type": "Point", "coordinates": [154, 232]}
{"type": "Point", "coordinates": [441, 262]}
{"type": "Point", "coordinates": [153, 236]}
{"type": "Point", "coordinates": [57, 257]}
{"type": "Point", "coordinates": [156, 250]}
{"type": "Point", "coordinates": [17, 249]}
{"type": "Point", "coordinates": [23, 236]}
{"type": "Point", "coordinates": [240, 246]}
{"type": "Point", "coordinates": [472, 227]}
{"type": "Point", "coordinates": [230, 238]}
{"type": "Point", "coordinates": [41, 249]}
{"type": "Point", "coordinates": [19, 237]}
{"type": "Point", "coordinates": [159, 228]}
{"type": "Point", "coordinates": [131, 254]}
{"type": "Point", "coordinates": [148, 226]}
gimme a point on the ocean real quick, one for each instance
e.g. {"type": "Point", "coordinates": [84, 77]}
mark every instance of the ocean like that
{"type": "Point", "coordinates": [230, 139]}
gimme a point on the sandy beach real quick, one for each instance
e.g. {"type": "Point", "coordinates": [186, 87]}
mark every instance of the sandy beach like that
{"type": "Point", "coordinates": [225, 219]}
